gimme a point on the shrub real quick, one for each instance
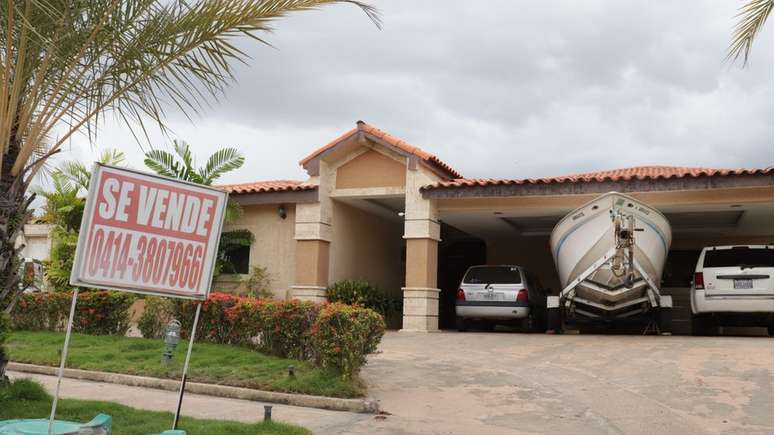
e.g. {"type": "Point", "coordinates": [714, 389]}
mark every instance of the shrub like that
{"type": "Point", "coordinates": [216, 321]}
{"type": "Point", "coordinates": [97, 312]}
{"type": "Point", "coordinates": [334, 335]}
{"type": "Point", "coordinates": [61, 257]}
{"type": "Point", "coordinates": [286, 328]}
{"type": "Point", "coordinates": [41, 311]}
{"type": "Point", "coordinates": [258, 283]}
{"type": "Point", "coordinates": [24, 390]}
{"type": "Point", "coordinates": [355, 292]}
{"type": "Point", "coordinates": [344, 335]}
{"type": "Point", "coordinates": [158, 312]}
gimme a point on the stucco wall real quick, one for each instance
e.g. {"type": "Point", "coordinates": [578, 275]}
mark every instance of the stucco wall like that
{"type": "Point", "coordinates": [274, 247]}
{"type": "Point", "coordinates": [371, 169]}
{"type": "Point", "coordinates": [366, 246]}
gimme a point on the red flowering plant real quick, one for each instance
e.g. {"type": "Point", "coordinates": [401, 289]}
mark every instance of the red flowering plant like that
{"type": "Point", "coordinates": [286, 328]}
{"type": "Point", "coordinates": [344, 335]}
{"type": "Point", "coordinates": [215, 323]}
{"type": "Point", "coordinates": [97, 312]}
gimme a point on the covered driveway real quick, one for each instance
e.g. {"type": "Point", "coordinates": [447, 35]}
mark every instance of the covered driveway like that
{"type": "Point", "coordinates": [509, 221]}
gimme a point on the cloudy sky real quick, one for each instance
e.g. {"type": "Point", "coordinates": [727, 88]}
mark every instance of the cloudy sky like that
{"type": "Point", "coordinates": [506, 89]}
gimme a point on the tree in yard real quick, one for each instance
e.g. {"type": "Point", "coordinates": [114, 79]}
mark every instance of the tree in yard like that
{"type": "Point", "coordinates": [63, 209]}
{"type": "Point", "coordinates": [752, 16]}
{"type": "Point", "coordinates": [182, 166]}
{"type": "Point", "coordinates": [66, 64]}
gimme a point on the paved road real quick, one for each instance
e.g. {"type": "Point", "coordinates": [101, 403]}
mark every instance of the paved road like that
{"type": "Point", "coordinates": [509, 383]}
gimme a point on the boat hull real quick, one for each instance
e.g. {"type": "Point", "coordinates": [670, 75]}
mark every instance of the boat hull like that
{"type": "Point", "coordinates": [584, 244]}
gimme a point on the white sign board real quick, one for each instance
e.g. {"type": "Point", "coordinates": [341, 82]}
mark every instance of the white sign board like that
{"type": "Point", "coordinates": [148, 234]}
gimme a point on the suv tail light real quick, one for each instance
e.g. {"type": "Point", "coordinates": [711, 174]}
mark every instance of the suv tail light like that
{"type": "Point", "coordinates": [460, 295]}
{"type": "Point", "coordinates": [698, 281]}
{"type": "Point", "coordinates": [522, 296]}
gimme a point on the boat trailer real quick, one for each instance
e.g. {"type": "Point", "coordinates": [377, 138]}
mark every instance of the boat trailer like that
{"type": "Point", "coordinates": [621, 261]}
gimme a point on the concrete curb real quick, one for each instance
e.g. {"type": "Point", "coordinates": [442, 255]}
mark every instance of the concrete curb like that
{"type": "Point", "coordinates": [322, 402]}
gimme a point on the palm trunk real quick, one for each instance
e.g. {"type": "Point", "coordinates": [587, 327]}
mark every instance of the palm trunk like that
{"type": "Point", "coordinates": [14, 212]}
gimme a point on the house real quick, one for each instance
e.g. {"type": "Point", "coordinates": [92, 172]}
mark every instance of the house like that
{"type": "Point", "coordinates": [377, 208]}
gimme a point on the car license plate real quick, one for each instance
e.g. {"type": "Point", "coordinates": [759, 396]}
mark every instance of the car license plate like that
{"type": "Point", "coordinates": [743, 284]}
{"type": "Point", "coordinates": [491, 296]}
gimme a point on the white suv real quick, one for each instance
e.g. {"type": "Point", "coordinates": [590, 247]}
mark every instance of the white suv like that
{"type": "Point", "coordinates": [733, 286]}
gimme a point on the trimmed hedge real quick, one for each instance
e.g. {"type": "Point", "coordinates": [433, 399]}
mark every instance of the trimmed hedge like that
{"type": "Point", "coordinates": [344, 335]}
{"type": "Point", "coordinates": [97, 312]}
{"type": "Point", "coordinates": [288, 329]}
{"type": "Point", "coordinates": [359, 292]}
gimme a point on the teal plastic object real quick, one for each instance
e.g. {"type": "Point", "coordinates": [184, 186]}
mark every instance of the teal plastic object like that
{"type": "Point", "coordinates": [99, 425]}
{"type": "Point", "coordinates": [173, 432]}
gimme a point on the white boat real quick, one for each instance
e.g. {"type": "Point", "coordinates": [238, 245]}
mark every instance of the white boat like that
{"type": "Point", "coordinates": [610, 255]}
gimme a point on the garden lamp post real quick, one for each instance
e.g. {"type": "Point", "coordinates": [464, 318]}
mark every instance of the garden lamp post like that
{"type": "Point", "coordinates": [171, 338]}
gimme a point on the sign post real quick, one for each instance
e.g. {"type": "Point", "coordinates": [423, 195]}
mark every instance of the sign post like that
{"type": "Point", "coordinates": [146, 234]}
{"type": "Point", "coordinates": [185, 366]}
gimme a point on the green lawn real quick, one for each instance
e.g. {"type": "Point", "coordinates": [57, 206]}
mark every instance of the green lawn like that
{"type": "Point", "coordinates": [210, 363]}
{"type": "Point", "coordinates": [26, 399]}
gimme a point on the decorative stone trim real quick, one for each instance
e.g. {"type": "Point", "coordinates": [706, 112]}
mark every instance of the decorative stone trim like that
{"type": "Point", "coordinates": [420, 309]}
{"type": "Point", "coordinates": [314, 231]}
{"type": "Point", "coordinates": [308, 293]}
{"type": "Point", "coordinates": [422, 229]}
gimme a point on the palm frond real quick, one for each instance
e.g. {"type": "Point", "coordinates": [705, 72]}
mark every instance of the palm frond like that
{"type": "Point", "coordinates": [222, 161]}
{"type": "Point", "coordinates": [112, 157]}
{"type": "Point", "coordinates": [163, 163]}
{"type": "Point", "coordinates": [64, 65]}
{"type": "Point", "coordinates": [752, 16]}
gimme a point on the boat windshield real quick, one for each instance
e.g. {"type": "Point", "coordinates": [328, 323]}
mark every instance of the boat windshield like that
{"type": "Point", "coordinates": [741, 256]}
{"type": "Point", "coordinates": [493, 275]}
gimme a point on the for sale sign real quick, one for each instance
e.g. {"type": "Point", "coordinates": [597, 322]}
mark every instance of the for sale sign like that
{"type": "Point", "coordinates": [148, 234]}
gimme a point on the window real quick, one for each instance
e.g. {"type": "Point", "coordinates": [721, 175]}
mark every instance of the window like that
{"type": "Point", "coordinates": [234, 251]}
{"type": "Point", "coordinates": [493, 275]}
{"type": "Point", "coordinates": [739, 256]}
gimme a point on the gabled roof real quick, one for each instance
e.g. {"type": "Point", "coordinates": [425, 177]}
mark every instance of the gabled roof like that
{"type": "Point", "coordinates": [379, 135]}
{"type": "Point", "coordinates": [267, 186]}
{"type": "Point", "coordinates": [624, 174]}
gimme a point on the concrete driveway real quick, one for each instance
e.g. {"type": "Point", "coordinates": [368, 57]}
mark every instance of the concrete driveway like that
{"type": "Point", "coordinates": [508, 383]}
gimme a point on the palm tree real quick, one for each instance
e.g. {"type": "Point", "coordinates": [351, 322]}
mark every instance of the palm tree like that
{"type": "Point", "coordinates": [182, 166]}
{"type": "Point", "coordinates": [752, 16]}
{"type": "Point", "coordinates": [66, 64]}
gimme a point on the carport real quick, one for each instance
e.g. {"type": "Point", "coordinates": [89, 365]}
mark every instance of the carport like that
{"type": "Point", "coordinates": [509, 221]}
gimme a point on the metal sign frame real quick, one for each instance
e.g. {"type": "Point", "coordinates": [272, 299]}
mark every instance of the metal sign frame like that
{"type": "Point", "coordinates": [208, 266]}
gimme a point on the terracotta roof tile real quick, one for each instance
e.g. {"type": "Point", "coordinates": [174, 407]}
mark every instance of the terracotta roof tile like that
{"type": "Point", "coordinates": [624, 174]}
{"type": "Point", "coordinates": [267, 186]}
{"type": "Point", "coordinates": [392, 140]}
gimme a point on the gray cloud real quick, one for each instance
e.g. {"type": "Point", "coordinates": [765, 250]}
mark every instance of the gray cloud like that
{"type": "Point", "coordinates": [498, 88]}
